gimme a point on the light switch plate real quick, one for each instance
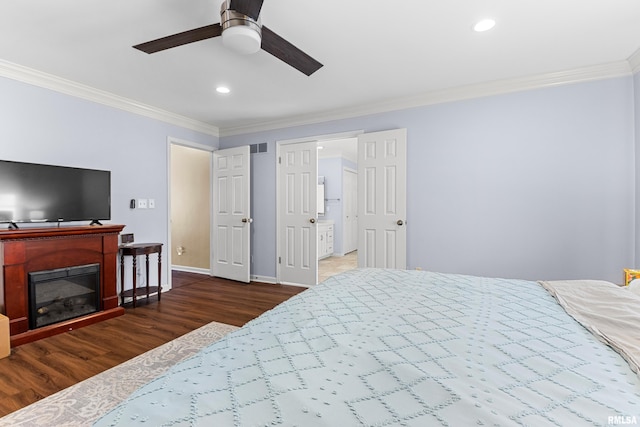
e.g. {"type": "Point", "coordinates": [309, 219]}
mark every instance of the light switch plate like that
{"type": "Point", "coordinates": [142, 203]}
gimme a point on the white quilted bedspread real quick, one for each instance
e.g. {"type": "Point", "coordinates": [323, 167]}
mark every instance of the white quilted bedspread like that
{"type": "Point", "coordinates": [409, 348]}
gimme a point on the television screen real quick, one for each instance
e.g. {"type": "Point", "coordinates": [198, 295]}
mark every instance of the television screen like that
{"type": "Point", "coordinates": [32, 192]}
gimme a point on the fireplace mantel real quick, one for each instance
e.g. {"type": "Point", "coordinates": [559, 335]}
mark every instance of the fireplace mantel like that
{"type": "Point", "coordinates": [35, 249]}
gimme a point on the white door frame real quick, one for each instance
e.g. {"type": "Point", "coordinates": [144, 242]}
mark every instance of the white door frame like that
{"type": "Point", "coordinates": [279, 198]}
{"type": "Point", "coordinates": [167, 255]}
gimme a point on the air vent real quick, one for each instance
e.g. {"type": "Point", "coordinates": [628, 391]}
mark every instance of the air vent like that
{"type": "Point", "coordinates": [258, 148]}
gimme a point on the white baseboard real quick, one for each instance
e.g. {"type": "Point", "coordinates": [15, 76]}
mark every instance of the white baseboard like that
{"type": "Point", "coordinates": [187, 269]}
{"type": "Point", "coordinates": [255, 278]}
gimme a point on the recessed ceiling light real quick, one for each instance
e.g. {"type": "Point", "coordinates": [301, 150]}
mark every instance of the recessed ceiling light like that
{"type": "Point", "coordinates": [223, 89]}
{"type": "Point", "coordinates": [484, 25]}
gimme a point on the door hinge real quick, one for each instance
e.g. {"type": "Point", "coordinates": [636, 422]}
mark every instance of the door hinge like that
{"type": "Point", "coordinates": [279, 260]}
{"type": "Point", "coordinates": [279, 160]}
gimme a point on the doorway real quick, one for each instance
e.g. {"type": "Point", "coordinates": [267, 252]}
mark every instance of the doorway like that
{"type": "Point", "coordinates": [189, 204]}
{"type": "Point", "coordinates": [337, 165]}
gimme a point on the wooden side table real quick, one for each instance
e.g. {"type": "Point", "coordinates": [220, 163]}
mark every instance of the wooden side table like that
{"type": "Point", "coordinates": [134, 250]}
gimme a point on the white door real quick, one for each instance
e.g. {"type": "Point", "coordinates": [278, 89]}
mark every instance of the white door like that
{"type": "Point", "coordinates": [297, 213]}
{"type": "Point", "coordinates": [350, 206]}
{"type": "Point", "coordinates": [382, 180]}
{"type": "Point", "coordinates": [231, 214]}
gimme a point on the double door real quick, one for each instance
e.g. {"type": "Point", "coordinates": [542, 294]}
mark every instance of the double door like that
{"type": "Point", "coordinates": [381, 208]}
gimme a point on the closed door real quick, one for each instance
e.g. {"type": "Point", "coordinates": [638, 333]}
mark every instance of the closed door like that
{"type": "Point", "coordinates": [382, 231]}
{"type": "Point", "coordinates": [297, 213]}
{"type": "Point", "coordinates": [231, 207]}
{"type": "Point", "coordinates": [350, 206]}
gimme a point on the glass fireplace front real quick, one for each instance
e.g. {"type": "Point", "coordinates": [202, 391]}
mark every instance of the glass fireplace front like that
{"type": "Point", "coordinates": [62, 294]}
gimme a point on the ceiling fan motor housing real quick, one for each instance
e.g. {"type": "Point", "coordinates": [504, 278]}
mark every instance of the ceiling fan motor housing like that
{"type": "Point", "coordinates": [239, 32]}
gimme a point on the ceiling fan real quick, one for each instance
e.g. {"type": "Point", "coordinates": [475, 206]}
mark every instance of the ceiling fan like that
{"type": "Point", "coordinates": [241, 30]}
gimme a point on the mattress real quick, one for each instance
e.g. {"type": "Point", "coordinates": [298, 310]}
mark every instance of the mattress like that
{"type": "Point", "coordinates": [390, 347]}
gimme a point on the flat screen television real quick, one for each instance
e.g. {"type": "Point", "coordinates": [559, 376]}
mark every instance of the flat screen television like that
{"type": "Point", "coordinates": [35, 193]}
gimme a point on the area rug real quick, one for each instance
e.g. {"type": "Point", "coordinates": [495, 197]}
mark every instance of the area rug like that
{"type": "Point", "coordinates": [83, 403]}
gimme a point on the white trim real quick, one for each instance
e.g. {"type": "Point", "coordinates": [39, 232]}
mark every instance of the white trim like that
{"type": "Point", "coordinates": [190, 144]}
{"type": "Point", "coordinates": [579, 75]}
{"type": "Point", "coordinates": [278, 213]}
{"type": "Point", "coordinates": [325, 137]}
{"type": "Point", "coordinates": [212, 248]}
{"type": "Point", "coordinates": [68, 87]}
{"type": "Point", "coordinates": [169, 251]}
{"type": "Point", "coordinates": [186, 269]}
{"type": "Point", "coordinates": [634, 61]}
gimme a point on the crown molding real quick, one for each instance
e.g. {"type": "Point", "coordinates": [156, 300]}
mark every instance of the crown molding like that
{"type": "Point", "coordinates": [579, 75]}
{"type": "Point", "coordinates": [634, 61]}
{"type": "Point", "coordinates": [68, 87]}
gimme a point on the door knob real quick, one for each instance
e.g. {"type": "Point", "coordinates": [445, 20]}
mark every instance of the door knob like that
{"type": "Point", "coordinates": [312, 220]}
{"type": "Point", "coordinates": [249, 220]}
{"type": "Point", "coordinates": [400, 222]}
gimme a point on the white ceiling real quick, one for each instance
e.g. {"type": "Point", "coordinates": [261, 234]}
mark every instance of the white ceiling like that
{"type": "Point", "coordinates": [374, 53]}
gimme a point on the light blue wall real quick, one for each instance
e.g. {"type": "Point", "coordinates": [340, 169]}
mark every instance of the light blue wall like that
{"type": "Point", "coordinates": [537, 184]}
{"type": "Point", "coordinates": [44, 126]}
{"type": "Point", "coordinates": [636, 87]}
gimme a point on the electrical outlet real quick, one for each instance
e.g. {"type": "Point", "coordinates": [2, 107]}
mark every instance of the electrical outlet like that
{"type": "Point", "coordinates": [152, 203]}
{"type": "Point", "coordinates": [142, 203]}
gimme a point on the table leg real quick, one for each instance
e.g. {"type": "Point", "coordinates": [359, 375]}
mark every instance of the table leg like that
{"type": "Point", "coordinates": [122, 278]}
{"type": "Point", "coordinates": [147, 271]}
{"type": "Point", "coordinates": [159, 273]}
{"type": "Point", "coordinates": [135, 285]}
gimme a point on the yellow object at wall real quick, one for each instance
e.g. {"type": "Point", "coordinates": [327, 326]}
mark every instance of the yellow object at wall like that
{"type": "Point", "coordinates": [5, 343]}
{"type": "Point", "coordinates": [630, 275]}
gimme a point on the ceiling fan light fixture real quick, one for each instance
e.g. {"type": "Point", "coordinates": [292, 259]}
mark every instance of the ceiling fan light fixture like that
{"type": "Point", "coordinates": [239, 32]}
{"type": "Point", "coordinates": [242, 39]}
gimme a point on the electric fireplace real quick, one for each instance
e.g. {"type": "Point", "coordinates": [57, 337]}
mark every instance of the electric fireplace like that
{"type": "Point", "coordinates": [63, 294]}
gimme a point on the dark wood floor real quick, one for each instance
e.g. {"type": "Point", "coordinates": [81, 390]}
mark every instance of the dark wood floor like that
{"type": "Point", "coordinates": [38, 369]}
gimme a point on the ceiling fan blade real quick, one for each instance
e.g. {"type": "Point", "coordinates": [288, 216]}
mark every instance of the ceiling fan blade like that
{"type": "Point", "coordinates": [180, 39]}
{"type": "Point", "coordinates": [285, 51]}
{"type": "Point", "coordinates": [251, 8]}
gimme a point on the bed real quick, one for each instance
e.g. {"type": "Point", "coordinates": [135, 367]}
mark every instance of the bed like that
{"type": "Point", "coordinates": [412, 348]}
